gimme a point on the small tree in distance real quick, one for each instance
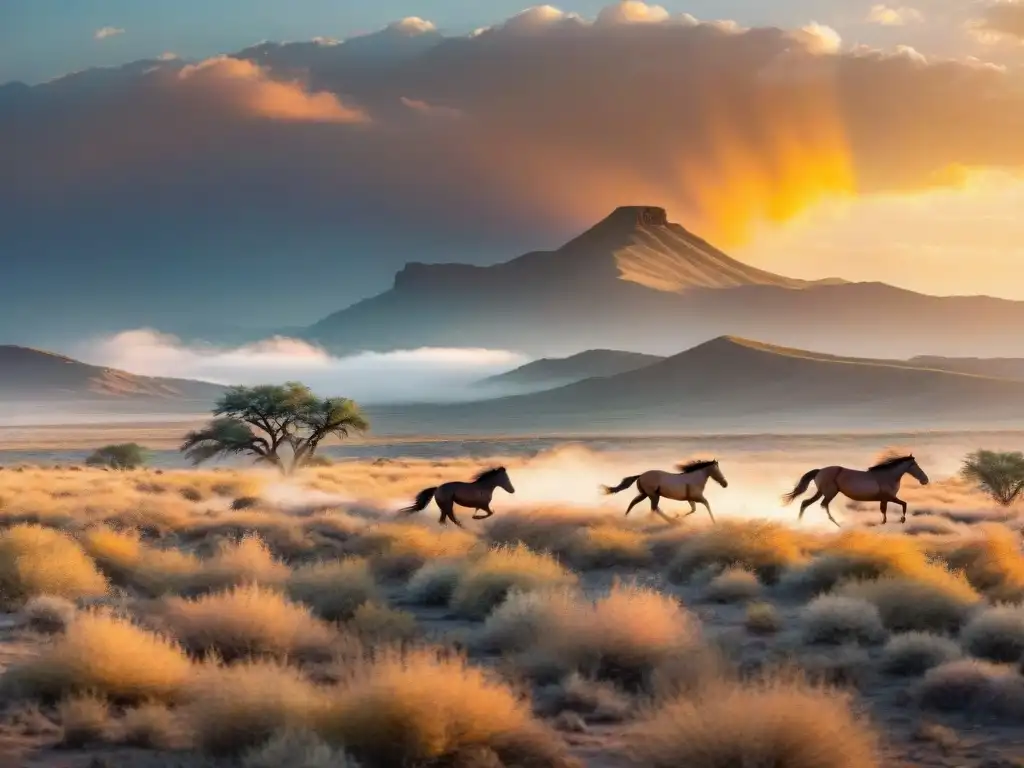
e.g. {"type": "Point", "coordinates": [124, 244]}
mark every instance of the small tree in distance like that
{"type": "Point", "coordinates": [121, 456]}
{"type": "Point", "coordinates": [998, 474]}
{"type": "Point", "coordinates": [263, 421]}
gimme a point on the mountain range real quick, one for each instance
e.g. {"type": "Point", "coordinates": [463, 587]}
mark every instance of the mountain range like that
{"type": "Point", "coordinates": [731, 384]}
{"type": "Point", "coordinates": [552, 372]}
{"type": "Point", "coordinates": [637, 281]}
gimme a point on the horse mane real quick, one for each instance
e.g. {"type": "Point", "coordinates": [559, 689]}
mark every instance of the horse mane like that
{"type": "Point", "coordinates": [487, 474]}
{"type": "Point", "coordinates": [891, 462]}
{"type": "Point", "coordinates": [693, 466]}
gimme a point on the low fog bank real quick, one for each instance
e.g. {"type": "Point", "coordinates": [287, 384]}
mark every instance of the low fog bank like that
{"type": "Point", "coordinates": [429, 374]}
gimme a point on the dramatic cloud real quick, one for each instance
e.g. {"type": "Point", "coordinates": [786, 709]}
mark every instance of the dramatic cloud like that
{"type": "Point", "coordinates": [104, 32]}
{"type": "Point", "coordinates": [423, 375]}
{"type": "Point", "coordinates": [893, 17]}
{"type": "Point", "coordinates": [1005, 18]}
{"type": "Point", "coordinates": [544, 122]}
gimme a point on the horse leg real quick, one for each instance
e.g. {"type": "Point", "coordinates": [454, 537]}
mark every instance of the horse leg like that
{"type": "Point", "coordinates": [807, 502]}
{"type": "Point", "coordinates": [486, 508]}
{"type": "Point", "coordinates": [448, 510]}
{"type": "Point", "coordinates": [655, 500]}
{"type": "Point", "coordinates": [693, 508]}
{"type": "Point", "coordinates": [884, 506]}
{"type": "Point", "coordinates": [903, 504]}
{"type": "Point", "coordinates": [640, 497]}
{"type": "Point", "coordinates": [704, 501]}
{"type": "Point", "coordinates": [824, 505]}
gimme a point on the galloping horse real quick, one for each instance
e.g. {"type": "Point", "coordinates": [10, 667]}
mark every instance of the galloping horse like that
{"type": "Point", "coordinates": [686, 485]}
{"type": "Point", "coordinates": [475, 495]}
{"type": "Point", "coordinates": [879, 483]}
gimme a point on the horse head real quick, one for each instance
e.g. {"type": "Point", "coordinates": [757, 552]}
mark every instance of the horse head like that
{"type": "Point", "coordinates": [715, 471]}
{"type": "Point", "coordinates": [496, 477]}
{"type": "Point", "coordinates": [915, 471]}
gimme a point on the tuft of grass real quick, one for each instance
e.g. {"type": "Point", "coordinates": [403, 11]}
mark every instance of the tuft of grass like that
{"type": "Point", "coordinates": [48, 614]}
{"type": "Point", "coordinates": [128, 562]}
{"type": "Point", "coordinates": [607, 546]}
{"type": "Point", "coordinates": [996, 634]}
{"type": "Point", "coordinates": [152, 725]}
{"type": "Point", "coordinates": [246, 621]}
{"type": "Point", "coordinates": [232, 709]}
{"type": "Point", "coordinates": [764, 547]}
{"type": "Point", "coordinates": [762, 619]}
{"type": "Point", "coordinates": [424, 708]}
{"type": "Point", "coordinates": [835, 620]}
{"type": "Point", "coordinates": [597, 701]}
{"type": "Point", "coordinates": [376, 623]}
{"type": "Point", "coordinates": [914, 653]}
{"type": "Point", "coordinates": [773, 722]}
{"type": "Point", "coordinates": [524, 618]}
{"type": "Point", "coordinates": [296, 748]}
{"type": "Point", "coordinates": [35, 560]}
{"type": "Point", "coordinates": [84, 719]}
{"type": "Point", "coordinates": [246, 561]}
{"type": "Point", "coordinates": [103, 654]}
{"type": "Point", "coordinates": [973, 685]}
{"type": "Point", "coordinates": [334, 589]}
{"type": "Point", "coordinates": [992, 561]}
{"type": "Point", "coordinates": [399, 549]}
{"type": "Point", "coordinates": [434, 583]}
{"type": "Point", "coordinates": [733, 585]}
{"type": "Point", "coordinates": [486, 581]}
{"type": "Point", "coordinates": [907, 604]}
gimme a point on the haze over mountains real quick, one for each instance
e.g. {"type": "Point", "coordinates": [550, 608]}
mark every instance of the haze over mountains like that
{"type": "Point", "coordinates": [732, 384]}
{"type": "Point", "coordinates": [637, 281]}
{"type": "Point", "coordinates": [551, 372]}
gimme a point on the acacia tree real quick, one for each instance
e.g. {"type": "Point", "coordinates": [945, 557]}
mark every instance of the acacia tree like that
{"type": "Point", "coordinates": [121, 456]}
{"type": "Point", "coordinates": [263, 421]}
{"type": "Point", "coordinates": [998, 474]}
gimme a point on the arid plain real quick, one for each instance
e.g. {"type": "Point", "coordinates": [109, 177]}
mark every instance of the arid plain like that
{"type": "Point", "coordinates": [176, 617]}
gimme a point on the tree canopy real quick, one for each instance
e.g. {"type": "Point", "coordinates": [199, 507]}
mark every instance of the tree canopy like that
{"type": "Point", "coordinates": [120, 456]}
{"type": "Point", "coordinates": [263, 421]}
{"type": "Point", "coordinates": [999, 474]}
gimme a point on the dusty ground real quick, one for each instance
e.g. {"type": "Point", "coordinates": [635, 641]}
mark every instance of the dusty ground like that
{"type": "Point", "coordinates": [206, 618]}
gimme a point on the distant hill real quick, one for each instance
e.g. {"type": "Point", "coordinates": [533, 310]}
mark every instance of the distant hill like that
{"type": "Point", "coordinates": [997, 367]}
{"type": "Point", "coordinates": [732, 384]}
{"type": "Point", "coordinates": [550, 372]}
{"type": "Point", "coordinates": [637, 281]}
{"type": "Point", "coordinates": [33, 375]}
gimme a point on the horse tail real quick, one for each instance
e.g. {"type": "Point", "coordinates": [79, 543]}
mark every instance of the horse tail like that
{"type": "Point", "coordinates": [800, 487]}
{"type": "Point", "coordinates": [626, 482]}
{"type": "Point", "coordinates": [422, 500]}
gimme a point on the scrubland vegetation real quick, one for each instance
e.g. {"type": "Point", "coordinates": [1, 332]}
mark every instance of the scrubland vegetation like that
{"type": "Point", "coordinates": [243, 618]}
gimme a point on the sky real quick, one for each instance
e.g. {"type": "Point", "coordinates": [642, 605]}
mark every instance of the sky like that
{"type": "Point", "coordinates": [196, 184]}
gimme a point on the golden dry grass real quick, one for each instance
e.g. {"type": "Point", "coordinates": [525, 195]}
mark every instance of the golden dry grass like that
{"type": "Point", "coordinates": [334, 589]}
{"type": "Point", "coordinates": [776, 722]}
{"type": "Point", "coordinates": [992, 560]}
{"type": "Point", "coordinates": [398, 549]}
{"type": "Point", "coordinates": [105, 654]}
{"type": "Point", "coordinates": [35, 560]}
{"type": "Point", "coordinates": [763, 547]}
{"type": "Point", "coordinates": [905, 603]}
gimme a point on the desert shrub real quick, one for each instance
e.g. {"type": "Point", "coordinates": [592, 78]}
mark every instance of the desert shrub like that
{"type": "Point", "coordinates": [835, 620]}
{"type": "Point", "coordinates": [48, 614]}
{"type": "Point", "coordinates": [246, 621]}
{"type": "Point", "coordinates": [129, 562]}
{"type": "Point", "coordinates": [245, 561]}
{"type": "Point", "coordinates": [399, 549]}
{"type": "Point", "coordinates": [84, 719]}
{"type": "Point", "coordinates": [622, 636]}
{"type": "Point", "coordinates": [334, 589]}
{"type": "Point", "coordinates": [992, 561]}
{"type": "Point", "coordinates": [858, 554]}
{"type": "Point", "coordinates": [421, 708]}
{"type": "Point", "coordinates": [996, 634]}
{"type": "Point", "coordinates": [236, 708]}
{"type": "Point", "coordinates": [434, 583]}
{"type": "Point", "coordinates": [487, 580]}
{"type": "Point", "coordinates": [104, 654]}
{"type": "Point", "coordinates": [971, 685]}
{"type": "Point", "coordinates": [907, 604]}
{"type": "Point", "coordinates": [733, 585]}
{"type": "Point", "coordinates": [120, 456]}
{"type": "Point", "coordinates": [152, 725]}
{"type": "Point", "coordinates": [774, 722]}
{"type": "Point", "coordinates": [762, 618]}
{"type": "Point", "coordinates": [524, 617]}
{"type": "Point", "coordinates": [377, 623]}
{"type": "Point", "coordinates": [598, 701]}
{"type": "Point", "coordinates": [914, 653]}
{"type": "Point", "coordinates": [296, 748]}
{"type": "Point", "coordinates": [42, 561]}
{"type": "Point", "coordinates": [606, 546]}
{"type": "Point", "coordinates": [846, 665]}
{"type": "Point", "coordinates": [763, 547]}
{"type": "Point", "coordinates": [997, 474]}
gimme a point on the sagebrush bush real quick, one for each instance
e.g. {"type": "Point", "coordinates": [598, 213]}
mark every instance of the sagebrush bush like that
{"type": "Point", "coordinates": [246, 621]}
{"type": "Point", "coordinates": [35, 560]}
{"type": "Point", "coordinates": [762, 618]}
{"type": "Point", "coordinates": [487, 580]}
{"type": "Point", "coordinates": [334, 589]}
{"type": "Point", "coordinates": [129, 562]}
{"type": "Point", "coordinates": [836, 620]}
{"type": "Point", "coordinates": [992, 561]}
{"type": "Point", "coordinates": [973, 685]}
{"type": "Point", "coordinates": [733, 585]}
{"type": "Point", "coordinates": [376, 623]}
{"type": "Point", "coordinates": [771, 723]}
{"type": "Point", "coordinates": [606, 546]}
{"type": "Point", "coordinates": [914, 653]}
{"type": "Point", "coordinates": [84, 719]}
{"type": "Point", "coordinates": [48, 613]}
{"type": "Point", "coordinates": [152, 725]}
{"type": "Point", "coordinates": [296, 748]}
{"type": "Point", "coordinates": [764, 547]}
{"type": "Point", "coordinates": [907, 604]}
{"type": "Point", "coordinates": [996, 634]}
{"type": "Point", "coordinates": [399, 549]}
{"type": "Point", "coordinates": [104, 654]}
{"type": "Point", "coordinates": [434, 583]}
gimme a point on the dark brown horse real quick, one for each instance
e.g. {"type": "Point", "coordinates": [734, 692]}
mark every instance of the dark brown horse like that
{"type": "Point", "coordinates": [475, 495]}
